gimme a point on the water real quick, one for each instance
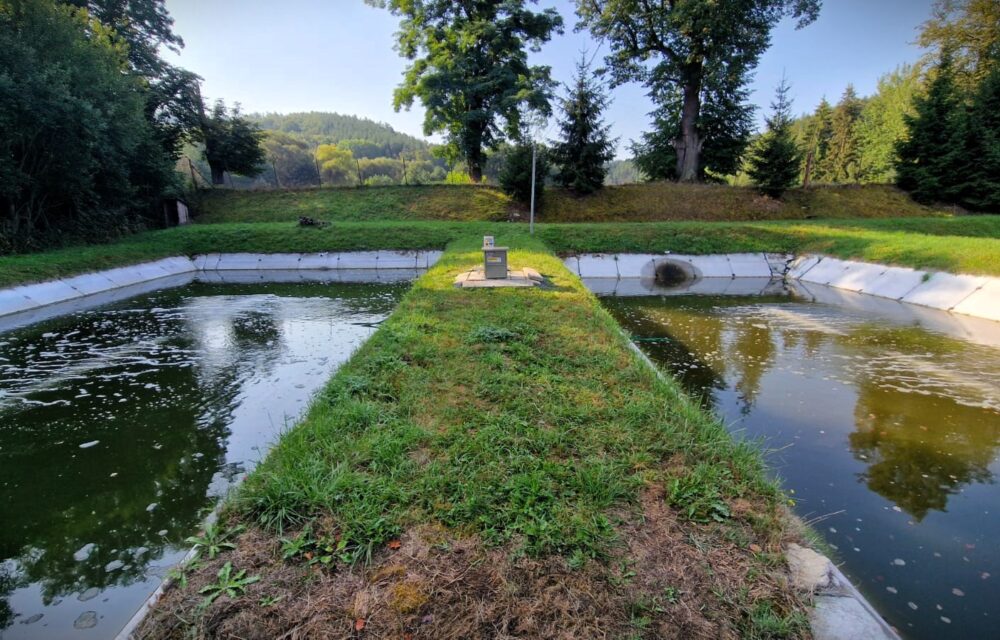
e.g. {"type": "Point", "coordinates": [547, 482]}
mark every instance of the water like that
{"type": "Point", "coordinates": [120, 426]}
{"type": "Point", "coordinates": [885, 425]}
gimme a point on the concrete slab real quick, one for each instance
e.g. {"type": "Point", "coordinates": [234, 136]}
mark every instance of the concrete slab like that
{"type": "Point", "coordinates": [598, 266]}
{"type": "Point", "coordinates": [177, 265]}
{"type": "Point", "coordinates": [801, 265]}
{"type": "Point", "coordinates": [710, 266]}
{"type": "Point", "coordinates": [318, 261]}
{"type": "Point", "coordinates": [238, 261]}
{"type": "Point", "coordinates": [397, 260]}
{"type": "Point", "coordinates": [984, 303]}
{"type": "Point", "coordinates": [50, 292]}
{"type": "Point", "coordinates": [282, 261]}
{"type": "Point", "coordinates": [778, 262]}
{"type": "Point", "coordinates": [358, 260]}
{"type": "Point", "coordinates": [825, 271]}
{"type": "Point", "coordinates": [476, 279]}
{"type": "Point", "coordinates": [944, 290]}
{"type": "Point", "coordinates": [427, 259]}
{"type": "Point", "coordinates": [613, 287]}
{"type": "Point", "coordinates": [749, 265]}
{"type": "Point", "coordinates": [845, 618]}
{"type": "Point", "coordinates": [573, 264]}
{"type": "Point", "coordinates": [209, 261]}
{"type": "Point", "coordinates": [636, 265]}
{"type": "Point", "coordinates": [857, 276]}
{"type": "Point", "coordinates": [90, 283]}
{"type": "Point", "coordinates": [15, 301]}
{"type": "Point", "coordinates": [895, 282]}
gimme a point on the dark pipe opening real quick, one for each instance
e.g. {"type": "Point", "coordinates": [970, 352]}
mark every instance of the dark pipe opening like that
{"type": "Point", "coordinates": [673, 274]}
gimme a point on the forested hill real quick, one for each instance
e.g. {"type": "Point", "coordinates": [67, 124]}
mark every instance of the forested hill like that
{"type": "Point", "coordinates": [334, 128]}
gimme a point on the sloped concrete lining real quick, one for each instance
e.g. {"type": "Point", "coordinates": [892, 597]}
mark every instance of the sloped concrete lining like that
{"type": "Point", "coordinates": [895, 282]}
{"type": "Point", "coordinates": [707, 266]}
{"type": "Point", "coordinates": [640, 265]}
{"type": "Point", "coordinates": [598, 266]}
{"type": "Point", "coordinates": [801, 265]}
{"type": "Point", "coordinates": [361, 266]}
{"type": "Point", "coordinates": [750, 265]}
{"type": "Point", "coordinates": [857, 276]}
{"type": "Point", "coordinates": [944, 290]}
{"type": "Point", "coordinates": [984, 303]}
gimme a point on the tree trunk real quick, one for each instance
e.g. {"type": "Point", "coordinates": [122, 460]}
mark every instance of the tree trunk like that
{"type": "Point", "coordinates": [475, 171]}
{"type": "Point", "coordinates": [689, 144]}
{"type": "Point", "coordinates": [218, 174]}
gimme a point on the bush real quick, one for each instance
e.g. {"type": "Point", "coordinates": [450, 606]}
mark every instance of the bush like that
{"type": "Point", "coordinates": [515, 174]}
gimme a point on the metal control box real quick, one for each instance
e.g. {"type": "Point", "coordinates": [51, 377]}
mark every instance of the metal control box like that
{"type": "Point", "coordinates": [495, 263]}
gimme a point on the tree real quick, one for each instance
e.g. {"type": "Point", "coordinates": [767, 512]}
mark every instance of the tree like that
{"type": "Point", "coordinates": [585, 149]}
{"type": "Point", "coordinates": [981, 191]}
{"type": "Point", "coordinates": [681, 44]}
{"type": "Point", "coordinates": [968, 32]}
{"type": "Point", "coordinates": [774, 163]}
{"type": "Point", "coordinates": [338, 165]}
{"type": "Point", "coordinates": [881, 124]}
{"type": "Point", "coordinates": [515, 173]}
{"type": "Point", "coordinates": [815, 145]}
{"type": "Point", "coordinates": [932, 159]}
{"type": "Point", "coordinates": [470, 69]}
{"type": "Point", "coordinates": [840, 162]}
{"type": "Point", "coordinates": [726, 125]}
{"type": "Point", "coordinates": [77, 157]}
{"type": "Point", "coordinates": [232, 143]}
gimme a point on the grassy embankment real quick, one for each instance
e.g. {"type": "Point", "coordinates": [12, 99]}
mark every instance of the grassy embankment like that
{"type": "Point", "coordinates": [499, 463]}
{"type": "Point", "coordinates": [966, 244]}
{"type": "Point", "coordinates": [654, 202]}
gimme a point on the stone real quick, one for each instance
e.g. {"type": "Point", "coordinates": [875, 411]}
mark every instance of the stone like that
{"type": "Point", "coordinates": [89, 594]}
{"type": "Point", "coordinates": [84, 552]}
{"type": "Point", "coordinates": [844, 618]}
{"type": "Point", "coordinates": [87, 620]}
{"type": "Point", "coordinates": [810, 571]}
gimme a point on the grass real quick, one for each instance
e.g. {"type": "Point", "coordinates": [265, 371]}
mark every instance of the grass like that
{"type": "Point", "coordinates": [652, 202]}
{"type": "Point", "coordinates": [520, 428]}
{"type": "Point", "coordinates": [957, 245]}
{"type": "Point", "coordinates": [429, 202]}
{"type": "Point", "coordinates": [966, 244]}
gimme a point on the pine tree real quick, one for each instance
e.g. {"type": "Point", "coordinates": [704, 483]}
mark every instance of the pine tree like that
{"type": "Point", "coordinates": [932, 160]}
{"type": "Point", "coordinates": [981, 189]}
{"type": "Point", "coordinates": [817, 144]}
{"type": "Point", "coordinates": [841, 161]}
{"type": "Point", "coordinates": [774, 163]}
{"type": "Point", "coordinates": [585, 149]}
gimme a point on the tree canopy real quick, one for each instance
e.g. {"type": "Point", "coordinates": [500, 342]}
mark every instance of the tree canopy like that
{"type": "Point", "coordinates": [469, 67]}
{"type": "Point", "coordinates": [682, 44]}
{"type": "Point", "coordinates": [774, 163]}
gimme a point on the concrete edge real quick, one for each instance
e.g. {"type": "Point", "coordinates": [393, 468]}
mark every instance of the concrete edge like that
{"type": "Point", "coordinates": [976, 296]}
{"type": "Point", "coordinates": [42, 295]}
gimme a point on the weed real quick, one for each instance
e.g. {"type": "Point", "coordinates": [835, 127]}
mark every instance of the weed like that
{"type": "Point", "coordinates": [214, 539]}
{"type": "Point", "coordinates": [229, 584]}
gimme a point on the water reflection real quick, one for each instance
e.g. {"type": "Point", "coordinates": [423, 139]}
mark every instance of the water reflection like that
{"type": "Point", "coordinates": [910, 415]}
{"type": "Point", "coordinates": [119, 425]}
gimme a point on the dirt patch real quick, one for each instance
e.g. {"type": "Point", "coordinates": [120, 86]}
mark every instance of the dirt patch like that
{"type": "Point", "coordinates": [668, 579]}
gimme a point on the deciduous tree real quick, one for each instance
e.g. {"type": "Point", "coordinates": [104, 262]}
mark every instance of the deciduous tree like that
{"type": "Point", "coordinates": [681, 43]}
{"type": "Point", "coordinates": [469, 67]}
{"type": "Point", "coordinates": [232, 143]}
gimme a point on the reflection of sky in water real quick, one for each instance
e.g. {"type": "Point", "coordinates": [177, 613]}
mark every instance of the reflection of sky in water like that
{"type": "Point", "coordinates": [888, 434]}
{"type": "Point", "coordinates": [117, 423]}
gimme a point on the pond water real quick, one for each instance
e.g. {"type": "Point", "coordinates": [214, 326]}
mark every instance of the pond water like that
{"type": "Point", "coordinates": [883, 421]}
{"type": "Point", "coordinates": [121, 426]}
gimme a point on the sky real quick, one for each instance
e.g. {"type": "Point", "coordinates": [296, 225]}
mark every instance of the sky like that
{"type": "Point", "coordinates": [337, 55]}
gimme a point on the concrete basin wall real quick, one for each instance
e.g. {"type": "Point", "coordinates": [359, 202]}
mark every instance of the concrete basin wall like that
{"type": "Point", "coordinates": [45, 299]}
{"type": "Point", "coordinates": [977, 296]}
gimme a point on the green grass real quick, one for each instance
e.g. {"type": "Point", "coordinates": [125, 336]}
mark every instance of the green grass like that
{"type": "Point", "coordinates": [653, 202]}
{"type": "Point", "coordinates": [347, 204]}
{"type": "Point", "coordinates": [521, 417]}
{"type": "Point", "coordinates": [958, 245]}
{"type": "Point", "coordinates": [966, 244]}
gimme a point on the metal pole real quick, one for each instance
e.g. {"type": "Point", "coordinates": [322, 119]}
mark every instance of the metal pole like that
{"type": "Point", "coordinates": [531, 223]}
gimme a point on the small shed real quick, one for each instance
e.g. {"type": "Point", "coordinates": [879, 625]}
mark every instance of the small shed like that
{"type": "Point", "coordinates": [175, 212]}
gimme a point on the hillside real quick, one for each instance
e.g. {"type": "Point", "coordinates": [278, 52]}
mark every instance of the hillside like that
{"type": "Point", "coordinates": [650, 202]}
{"type": "Point", "coordinates": [333, 128]}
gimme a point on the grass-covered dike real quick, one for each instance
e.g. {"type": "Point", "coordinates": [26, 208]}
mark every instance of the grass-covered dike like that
{"type": "Point", "coordinates": [497, 463]}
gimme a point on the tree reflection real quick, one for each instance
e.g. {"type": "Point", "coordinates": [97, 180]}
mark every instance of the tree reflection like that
{"type": "Point", "coordinates": [920, 449]}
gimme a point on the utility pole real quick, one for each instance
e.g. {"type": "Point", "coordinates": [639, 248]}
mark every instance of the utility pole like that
{"type": "Point", "coordinates": [531, 220]}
